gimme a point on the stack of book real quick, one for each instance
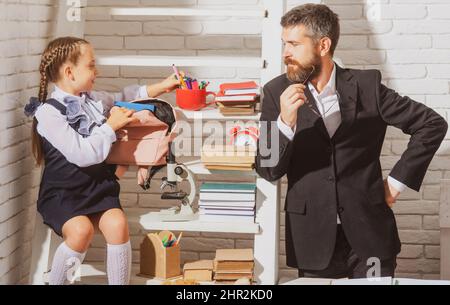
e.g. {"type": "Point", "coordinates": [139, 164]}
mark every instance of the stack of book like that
{"type": "Point", "coordinates": [231, 265]}
{"type": "Point", "coordinates": [201, 271]}
{"type": "Point", "coordinates": [227, 202]}
{"type": "Point", "coordinates": [228, 157]}
{"type": "Point", "coordinates": [238, 98]}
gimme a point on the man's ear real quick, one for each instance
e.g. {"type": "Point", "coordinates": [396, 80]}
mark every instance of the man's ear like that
{"type": "Point", "coordinates": [325, 46]}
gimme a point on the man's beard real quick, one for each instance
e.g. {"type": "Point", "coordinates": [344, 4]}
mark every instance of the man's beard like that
{"type": "Point", "coordinates": [298, 73]}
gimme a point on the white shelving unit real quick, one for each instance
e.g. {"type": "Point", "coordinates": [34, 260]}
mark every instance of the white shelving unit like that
{"type": "Point", "coordinates": [151, 222]}
{"type": "Point", "coordinates": [193, 12]}
{"type": "Point", "coordinates": [266, 228]}
{"type": "Point", "coordinates": [180, 61]}
{"type": "Point", "coordinates": [214, 114]}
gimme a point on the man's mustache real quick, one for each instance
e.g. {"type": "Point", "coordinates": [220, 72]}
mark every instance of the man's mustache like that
{"type": "Point", "coordinates": [290, 61]}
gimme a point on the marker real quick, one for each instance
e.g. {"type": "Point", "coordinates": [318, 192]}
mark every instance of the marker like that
{"type": "Point", "coordinates": [189, 84]}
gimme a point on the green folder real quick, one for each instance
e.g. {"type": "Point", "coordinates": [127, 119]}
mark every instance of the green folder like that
{"type": "Point", "coordinates": [228, 187]}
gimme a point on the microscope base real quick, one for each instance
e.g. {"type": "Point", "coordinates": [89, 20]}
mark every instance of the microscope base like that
{"type": "Point", "coordinates": [179, 214]}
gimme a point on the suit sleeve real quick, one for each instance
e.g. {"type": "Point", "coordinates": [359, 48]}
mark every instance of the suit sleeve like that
{"type": "Point", "coordinates": [274, 155]}
{"type": "Point", "coordinates": [426, 127]}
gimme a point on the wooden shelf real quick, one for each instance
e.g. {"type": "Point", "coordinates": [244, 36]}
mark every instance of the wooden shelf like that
{"type": "Point", "coordinates": [180, 61]}
{"type": "Point", "coordinates": [167, 11]}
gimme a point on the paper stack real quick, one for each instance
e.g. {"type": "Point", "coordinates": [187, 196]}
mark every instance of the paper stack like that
{"type": "Point", "coordinates": [231, 265]}
{"type": "Point", "coordinates": [229, 157]}
{"type": "Point", "coordinates": [227, 202]}
{"type": "Point", "coordinates": [238, 98]}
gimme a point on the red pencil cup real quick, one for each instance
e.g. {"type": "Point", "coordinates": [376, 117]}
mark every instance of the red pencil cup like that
{"type": "Point", "coordinates": [193, 99]}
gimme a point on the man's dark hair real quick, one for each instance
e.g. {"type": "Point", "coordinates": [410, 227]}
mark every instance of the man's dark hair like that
{"type": "Point", "coordinates": [318, 19]}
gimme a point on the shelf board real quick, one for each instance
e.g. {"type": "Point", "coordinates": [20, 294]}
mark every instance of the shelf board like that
{"type": "Point", "coordinates": [180, 61]}
{"type": "Point", "coordinates": [214, 114]}
{"type": "Point", "coordinates": [151, 222]}
{"type": "Point", "coordinates": [167, 11]}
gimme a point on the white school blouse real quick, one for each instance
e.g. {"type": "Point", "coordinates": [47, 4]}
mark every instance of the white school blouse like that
{"type": "Point", "coordinates": [79, 150]}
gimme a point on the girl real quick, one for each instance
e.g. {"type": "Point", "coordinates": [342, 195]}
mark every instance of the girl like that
{"type": "Point", "coordinates": [72, 137]}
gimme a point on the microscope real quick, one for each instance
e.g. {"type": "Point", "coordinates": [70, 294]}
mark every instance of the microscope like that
{"type": "Point", "coordinates": [176, 173]}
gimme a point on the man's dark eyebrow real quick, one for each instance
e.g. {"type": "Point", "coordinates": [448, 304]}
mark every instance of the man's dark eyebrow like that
{"type": "Point", "coordinates": [292, 41]}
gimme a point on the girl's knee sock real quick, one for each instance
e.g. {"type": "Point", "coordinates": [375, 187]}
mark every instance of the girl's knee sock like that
{"type": "Point", "coordinates": [118, 264]}
{"type": "Point", "coordinates": [65, 259]}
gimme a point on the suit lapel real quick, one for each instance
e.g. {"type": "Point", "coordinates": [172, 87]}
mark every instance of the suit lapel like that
{"type": "Point", "coordinates": [347, 90]}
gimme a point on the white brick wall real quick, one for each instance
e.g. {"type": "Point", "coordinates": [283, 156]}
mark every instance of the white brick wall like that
{"type": "Point", "coordinates": [409, 43]}
{"type": "Point", "coordinates": [26, 26]}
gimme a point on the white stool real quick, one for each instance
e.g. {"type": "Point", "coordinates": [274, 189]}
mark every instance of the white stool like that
{"type": "Point", "coordinates": [45, 242]}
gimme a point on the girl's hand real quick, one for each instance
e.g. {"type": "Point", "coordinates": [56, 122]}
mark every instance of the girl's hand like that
{"type": "Point", "coordinates": [171, 83]}
{"type": "Point", "coordinates": [120, 117]}
{"type": "Point", "coordinates": [166, 86]}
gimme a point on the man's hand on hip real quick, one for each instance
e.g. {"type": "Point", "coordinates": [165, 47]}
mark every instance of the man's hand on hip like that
{"type": "Point", "coordinates": [292, 99]}
{"type": "Point", "coordinates": [390, 193]}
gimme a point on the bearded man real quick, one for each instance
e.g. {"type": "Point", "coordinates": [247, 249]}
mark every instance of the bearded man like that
{"type": "Point", "coordinates": [331, 124]}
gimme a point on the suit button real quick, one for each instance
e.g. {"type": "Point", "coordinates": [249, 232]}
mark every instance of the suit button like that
{"type": "Point", "coordinates": [341, 209]}
{"type": "Point", "coordinates": [331, 179]}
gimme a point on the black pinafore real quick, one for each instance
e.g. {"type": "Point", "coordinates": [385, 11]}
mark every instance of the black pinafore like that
{"type": "Point", "coordinates": [67, 191]}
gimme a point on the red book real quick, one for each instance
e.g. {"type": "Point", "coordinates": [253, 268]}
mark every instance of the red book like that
{"type": "Point", "coordinates": [243, 88]}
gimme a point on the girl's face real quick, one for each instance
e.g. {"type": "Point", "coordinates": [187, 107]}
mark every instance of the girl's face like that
{"type": "Point", "coordinates": [83, 74]}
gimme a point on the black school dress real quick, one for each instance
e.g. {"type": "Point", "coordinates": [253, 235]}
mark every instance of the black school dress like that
{"type": "Point", "coordinates": [67, 191]}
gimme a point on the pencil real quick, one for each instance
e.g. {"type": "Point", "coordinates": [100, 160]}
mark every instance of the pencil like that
{"type": "Point", "coordinates": [175, 70]}
{"type": "Point", "coordinates": [179, 238]}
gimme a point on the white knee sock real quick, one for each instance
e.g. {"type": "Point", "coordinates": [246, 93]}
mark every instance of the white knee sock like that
{"type": "Point", "coordinates": [65, 259]}
{"type": "Point", "coordinates": [118, 264]}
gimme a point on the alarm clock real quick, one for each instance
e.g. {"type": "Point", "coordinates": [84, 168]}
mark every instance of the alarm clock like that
{"type": "Point", "coordinates": [244, 136]}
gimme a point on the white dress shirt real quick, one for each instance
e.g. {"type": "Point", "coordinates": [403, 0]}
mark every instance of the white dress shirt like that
{"type": "Point", "coordinates": [328, 104]}
{"type": "Point", "coordinates": [79, 150]}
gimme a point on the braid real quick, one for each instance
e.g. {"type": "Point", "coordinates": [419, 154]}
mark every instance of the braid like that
{"type": "Point", "coordinates": [55, 55]}
{"type": "Point", "coordinates": [43, 88]}
{"type": "Point", "coordinates": [46, 63]}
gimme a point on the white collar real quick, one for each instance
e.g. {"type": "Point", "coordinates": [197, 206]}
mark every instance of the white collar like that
{"type": "Point", "coordinates": [60, 94]}
{"type": "Point", "coordinates": [330, 87]}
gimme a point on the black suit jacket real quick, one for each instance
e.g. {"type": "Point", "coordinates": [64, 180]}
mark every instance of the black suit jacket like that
{"type": "Point", "coordinates": [343, 174]}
